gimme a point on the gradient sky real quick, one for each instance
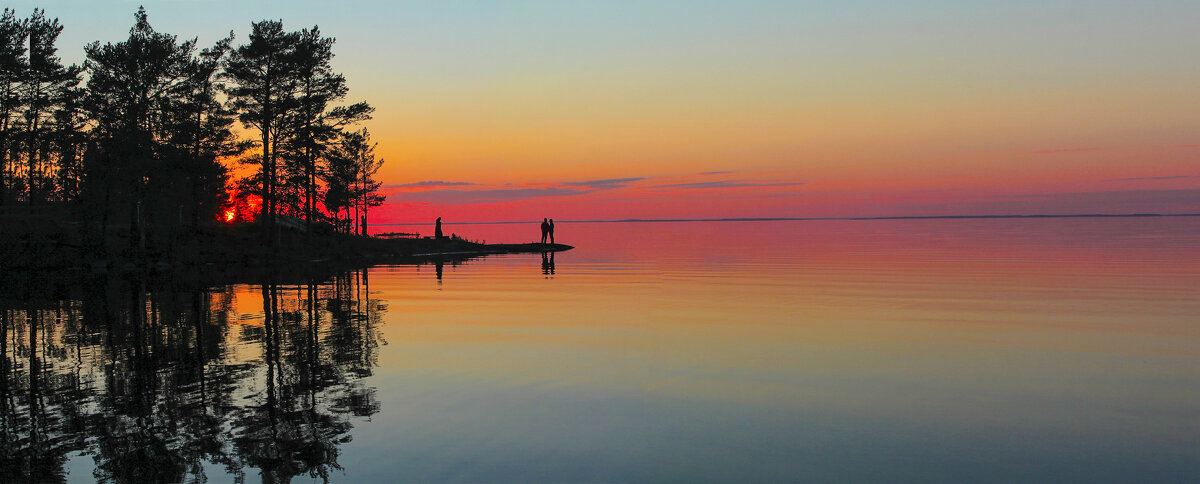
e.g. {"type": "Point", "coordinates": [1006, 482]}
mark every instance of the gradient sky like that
{"type": "Point", "coordinates": [496, 111]}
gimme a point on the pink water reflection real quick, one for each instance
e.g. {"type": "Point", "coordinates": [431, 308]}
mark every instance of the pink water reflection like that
{"type": "Point", "coordinates": [935, 348]}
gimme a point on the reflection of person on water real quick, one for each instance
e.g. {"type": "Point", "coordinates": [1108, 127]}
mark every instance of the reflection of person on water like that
{"type": "Point", "coordinates": [437, 266]}
{"type": "Point", "coordinates": [548, 263]}
{"type": "Point", "coordinates": [437, 229]}
{"type": "Point", "coordinates": [551, 230]}
{"type": "Point", "coordinates": [545, 230]}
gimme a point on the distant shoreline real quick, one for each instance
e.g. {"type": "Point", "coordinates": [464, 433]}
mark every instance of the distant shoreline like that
{"type": "Point", "coordinates": [777, 219]}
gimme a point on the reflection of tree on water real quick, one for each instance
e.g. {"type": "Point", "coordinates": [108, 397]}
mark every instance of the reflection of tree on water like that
{"type": "Point", "coordinates": [155, 379]}
{"type": "Point", "coordinates": [35, 422]}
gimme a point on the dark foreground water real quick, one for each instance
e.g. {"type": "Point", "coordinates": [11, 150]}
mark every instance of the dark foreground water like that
{"type": "Point", "coordinates": [918, 351]}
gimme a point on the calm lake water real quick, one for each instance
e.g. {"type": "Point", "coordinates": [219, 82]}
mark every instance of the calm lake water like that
{"type": "Point", "coordinates": [912, 351]}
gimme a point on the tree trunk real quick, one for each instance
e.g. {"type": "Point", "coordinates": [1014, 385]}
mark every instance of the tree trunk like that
{"type": "Point", "coordinates": [32, 141]}
{"type": "Point", "coordinates": [265, 211]}
{"type": "Point", "coordinates": [195, 162]}
{"type": "Point", "coordinates": [7, 114]}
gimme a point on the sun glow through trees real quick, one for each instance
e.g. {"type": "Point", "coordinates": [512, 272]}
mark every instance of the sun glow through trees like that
{"type": "Point", "coordinates": [240, 208]}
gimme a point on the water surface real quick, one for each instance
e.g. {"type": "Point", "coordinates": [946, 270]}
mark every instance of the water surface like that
{"type": "Point", "coordinates": [909, 350]}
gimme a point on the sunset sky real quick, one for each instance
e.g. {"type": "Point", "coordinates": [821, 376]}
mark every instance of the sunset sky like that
{"type": "Point", "coordinates": [506, 111]}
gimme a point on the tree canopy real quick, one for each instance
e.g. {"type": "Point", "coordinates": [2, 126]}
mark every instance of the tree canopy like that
{"type": "Point", "coordinates": [146, 131]}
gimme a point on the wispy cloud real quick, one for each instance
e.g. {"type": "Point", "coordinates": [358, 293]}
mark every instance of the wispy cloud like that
{"type": "Point", "coordinates": [431, 183]}
{"type": "Point", "coordinates": [715, 172]}
{"type": "Point", "coordinates": [727, 184]}
{"type": "Point", "coordinates": [1173, 194]}
{"type": "Point", "coordinates": [1053, 151]}
{"type": "Point", "coordinates": [443, 193]}
{"type": "Point", "coordinates": [604, 184]}
{"type": "Point", "coordinates": [461, 197]}
{"type": "Point", "coordinates": [438, 192]}
{"type": "Point", "coordinates": [1170, 177]}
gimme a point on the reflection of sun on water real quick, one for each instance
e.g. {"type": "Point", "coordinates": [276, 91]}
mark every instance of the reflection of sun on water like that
{"type": "Point", "coordinates": [247, 304]}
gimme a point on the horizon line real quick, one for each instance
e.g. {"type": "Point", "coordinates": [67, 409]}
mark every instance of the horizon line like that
{"type": "Point", "coordinates": [773, 219]}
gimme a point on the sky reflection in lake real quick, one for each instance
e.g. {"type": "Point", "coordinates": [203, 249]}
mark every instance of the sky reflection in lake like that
{"type": "Point", "coordinates": [916, 350]}
{"type": "Point", "coordinates": [895, 350]}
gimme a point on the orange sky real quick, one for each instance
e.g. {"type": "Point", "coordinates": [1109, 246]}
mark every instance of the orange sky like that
{"type": "Point", "coordinates": [590, 110]}
{"type": "Point", "coordinates": [782, 110]}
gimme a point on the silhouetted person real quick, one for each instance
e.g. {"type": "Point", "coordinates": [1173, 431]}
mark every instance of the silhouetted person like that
{"type": "Point", "coordinates": [545, 230]}
{"type": "Point", "coordinates": [437, 229]}
{"type": "Point", "coordinates": [551, 231]}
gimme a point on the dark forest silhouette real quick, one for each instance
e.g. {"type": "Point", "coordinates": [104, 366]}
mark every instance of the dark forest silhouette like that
{"type": "Point", "coordinates": [140, 134]}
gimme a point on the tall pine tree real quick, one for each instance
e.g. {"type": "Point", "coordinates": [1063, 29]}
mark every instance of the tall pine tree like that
{"type": "Point", "coordinates": [13, 59]}
{"type": "Point", "coordinates": [315, 123]}
{"type": "Point", "coordinates": [135, 90]}
{"type": "Point", "coordinates": [262, 91]}
{"type": "Point", "coordinates": [46, 87]}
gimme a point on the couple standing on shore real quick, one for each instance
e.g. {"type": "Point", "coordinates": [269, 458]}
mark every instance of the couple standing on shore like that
{"type": "Point", "coordinates": [547, 230]}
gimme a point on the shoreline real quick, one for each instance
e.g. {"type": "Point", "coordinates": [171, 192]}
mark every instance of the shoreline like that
{"type": "Point", "coordinates": [66, 246]}
{"type": "Point", "coordinates": [821, 219]}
